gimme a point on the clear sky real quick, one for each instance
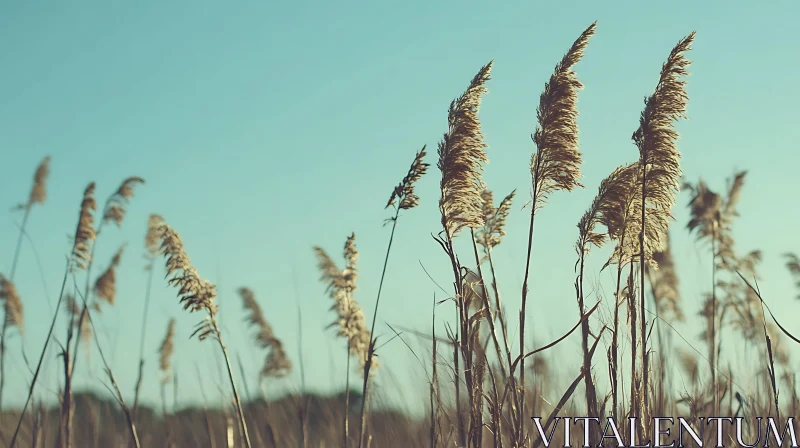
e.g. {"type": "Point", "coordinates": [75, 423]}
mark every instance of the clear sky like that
{"type": "Point", "coordinates": [264, 128]}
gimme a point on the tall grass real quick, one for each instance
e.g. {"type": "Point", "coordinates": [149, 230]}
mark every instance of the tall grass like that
{"type": "Point", "coordinates": [480, 394]}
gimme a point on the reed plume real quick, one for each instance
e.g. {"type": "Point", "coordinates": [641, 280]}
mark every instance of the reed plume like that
{"type": "Point", "coordinates": [105, 287]}
{"type": "Point", "coordinates": [115, 206]}
{"type": "Point", "coordinates": [494, 220]}
{"type": "Point", "coordinates": [725, 242]}
{"type": "Point", "coordinates": [404, 191]}
{"type": "Point", "coordinates": [340, 287]}
{"type": "Point", "coordinates": [165, 353]}
{"type": "Point", "coordinates": [664, 284]}
{"type": "Point", "coordinates": [277, 364]}
{"type": "Point", "coordinates": [84, 234]}
{"type": "Point", "coordinates": [38, 193]}
{"type": "Point", "coordinates": [461, 155]}
{"type": "Point", "coordinates": [153, 236]}
{"type": "Point", "coordinates": [659, 160]}
{"type": "Point", "coordinates": [12, 305]}
{"type": "Point", "coordinates": [625, 227]}
{"type": "Point", "coordinates": [554, 166]}
{"type": "Point", "coordinates": [556, 163]}
{"type": "Point", "coordinates": [197, 294]}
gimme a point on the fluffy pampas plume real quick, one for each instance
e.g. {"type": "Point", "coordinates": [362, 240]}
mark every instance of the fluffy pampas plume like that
{"type": "Point", "coordinates": [556, 163]}
{"type": "Point", "coordinates": [461, 155]}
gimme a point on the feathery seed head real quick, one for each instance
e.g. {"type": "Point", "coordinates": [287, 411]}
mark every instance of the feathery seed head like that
{"type": "Point", "coordinates": [195, 293]}
{"type": "Point", "coordinates": [277, 364]}
{"type": "Point", "coordinates": [607, 207]}
{"type": "Point", "coordinates": [39, 190]}
{"type": "Point", "coordinates": [350, 273]}
{"type": "Point", "coordinates": [12, 304]}
{"type": "Point", "coordinates": [340, 285]}
{"type": "Point", "coordinates": [404, 192]}
{"type": "Point", "coordinates": [664, 282]}
{"type": "Point", "coordinates": [656, 137]}
{"type": "Point", "coordinates": [115, 206]}
{"type": "Point", "coordinates": [84, 234]}
{"type": "Point", "coordinates": [461, 155]}
{"type": "Point", "coordinates": [105, 287]}
{"type": "Point", "coordinates": [151, 239]}
{"type": "Point", "coordinates": [556, 163]}
{"type": "Point", "coordinates": [265, 336]}
{"type": "Point", "coordinates": [494, 220]}
{"type": "Point", "coordinates": [624, 225]}
{"type": "Point", "coordinates": [165, 352]}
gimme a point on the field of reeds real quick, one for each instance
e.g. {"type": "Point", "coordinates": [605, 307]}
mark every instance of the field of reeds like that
{"type": "Point", "coordinates": [485, 379]}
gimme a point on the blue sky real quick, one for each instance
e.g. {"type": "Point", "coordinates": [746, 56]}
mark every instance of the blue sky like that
{"type": "Point", "coordinates": [264, 128]}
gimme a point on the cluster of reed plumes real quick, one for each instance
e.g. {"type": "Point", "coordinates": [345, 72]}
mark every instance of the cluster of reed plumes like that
{"type": "Point", "coordinates": [483, 387]}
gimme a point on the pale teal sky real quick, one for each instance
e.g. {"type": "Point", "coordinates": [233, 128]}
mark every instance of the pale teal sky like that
{"type": "Point", "coordinates": [263, 128]}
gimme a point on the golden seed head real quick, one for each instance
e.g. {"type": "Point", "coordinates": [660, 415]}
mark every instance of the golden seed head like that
{"type": "Point", "coordinates": [461, 155]}
{"type": "Point", "coordinates": [404, 192]}
{"type": "Point", "coordinates": [12, 304]}
{"type": "Point", "coordinates": [115, 206]}
{"type": "Point", "coordinates": [85, 233]}
{"type": "Point", "coordinates": [556, 163]}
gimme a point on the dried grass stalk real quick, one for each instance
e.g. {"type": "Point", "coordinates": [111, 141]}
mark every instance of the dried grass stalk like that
{"type": "Point", "coordinates": [461, 155]}
{"type": "Point", "coordinates": [198, 294]}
